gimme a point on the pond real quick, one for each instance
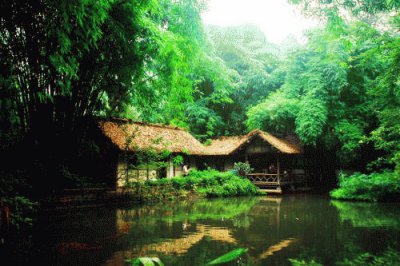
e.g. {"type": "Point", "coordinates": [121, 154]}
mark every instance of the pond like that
{"type": "Point", "coordinates": [309, 228]}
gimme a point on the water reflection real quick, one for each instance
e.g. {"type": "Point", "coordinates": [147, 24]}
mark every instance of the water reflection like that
{"type": "Point", "coordinates": [363, 214]}
{"type": "Point", "coordinates": [275, 248]}
{"type": "Point", "coordinates": [181, 245]}
{"type": "Point", "coordinates": [301, 227]}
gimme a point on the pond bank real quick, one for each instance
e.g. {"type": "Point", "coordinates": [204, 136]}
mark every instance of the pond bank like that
{"type": "Point", "coordinates": [198, 184]}
{"type": "Point", "coordinates": [75, 198]}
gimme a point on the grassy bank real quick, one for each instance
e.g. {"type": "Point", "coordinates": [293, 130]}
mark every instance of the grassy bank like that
{"type": "Point", "coordinates": [209, 183]}
{"type": "Point", "coordinates": [377, 187]}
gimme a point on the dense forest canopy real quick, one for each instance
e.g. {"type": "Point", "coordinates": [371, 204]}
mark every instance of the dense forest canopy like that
{"type": "Point", "coordinates": [155, 61]}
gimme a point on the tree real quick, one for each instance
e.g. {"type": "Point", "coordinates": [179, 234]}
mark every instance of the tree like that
{"type": "Point", "coordinates": [325, 99]}
{"type": "Point", "coordinates": [254, 67]}
{"type": "Point", "coordinates": [66, 59]}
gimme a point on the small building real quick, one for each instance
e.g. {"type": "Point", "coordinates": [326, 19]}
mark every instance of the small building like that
{"type": "Point", "coordinates": [258, 148]}
{"type": "Point", "coordinates": [146, 151]}
{"type": "Point", "coordinates": [141, 151]}
{"type": "Point", "coordinates": [275, 162]}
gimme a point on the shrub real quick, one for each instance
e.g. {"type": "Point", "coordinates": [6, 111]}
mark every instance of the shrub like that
{"type": "Point", "coordinates": [20, 208]}
{"type": "Point", "coordinates": [388, 257]}
{"type": "Point", "coordinates": [210, 183]}
{"type": "Point", "coordinates": [373, 187]}
{"type": "Point", "coordinates": [242, 169]}
{"type": "Point", "coordinates": [221, 184]}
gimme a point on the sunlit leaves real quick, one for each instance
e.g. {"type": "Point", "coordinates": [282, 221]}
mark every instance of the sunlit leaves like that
{"type": "Point", "coordinates": [276, 114]}
{"type": "Point", "coordinates": [327, 89]}
{"type": "Point", "coordinates": [311, 120]}
{"type": "Point", "coordinates": [355, 6]}
{"type": "Point", "coordinates": [351, 136]}
{"type": "Point", "coordinates": [254, 69]}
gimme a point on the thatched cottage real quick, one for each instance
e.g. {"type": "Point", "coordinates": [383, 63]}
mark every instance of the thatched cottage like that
{"type": "Point", "coordinates": [131, 140]}
{"type": "Point", "coordinates": [140, 144]}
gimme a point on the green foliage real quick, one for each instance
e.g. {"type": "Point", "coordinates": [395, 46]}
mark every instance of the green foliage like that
{"type": "Point", "coordinates": [339, 93]}
{"type": "Point", "coordinates": [360, 8]}
{"type": "Point", "coordinates": [242, 169]}
{"type": "Point", "coordinates": [146, 261]}
{"type": "Point", "coordinates": [389, 257]}
{"type": "Point", "coordinates": [351, 135]}
{"type": "Point", "coordinates": [276, 113]}
{"type": "Point", "coordinates": [153, 61]}
{"type": "Point", "coordinates": [204, 122]}
{"type": "Point", "coordinates": [228, 257]}
{"type": "Point", "coordinates": [178, 160]}
{"type": "Point", "coordinates": [252, 64]}
{"type": "Point", "coordinates": [209, 183]}
{"type": "Point", "coordinates": [373, 187]}
{"type": "Point", "coordinates": [297, 262]}
{"type": "Point", "coordinates": [22, 208]}
{"type": "Point", "coordinates": [221, 184]}
{"type": "Point", "coordinates": [311, 119]}
{"type": "Point", "coordinates": [73, 63]}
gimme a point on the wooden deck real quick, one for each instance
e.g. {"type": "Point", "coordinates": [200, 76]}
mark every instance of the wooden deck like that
{"type": "Point", "coordinates": [273, 183]}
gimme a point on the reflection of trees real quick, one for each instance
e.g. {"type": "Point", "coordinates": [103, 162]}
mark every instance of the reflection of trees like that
{"type": "Point", "coordinates": [215, 209]}
{"type": "Point", "coordinates": [160, 223]}
{"type": "Point", "coordinates": [191, 232]}
{"type": "Point", "coordinates": [189, 211]}
{"type": "Point", "coordinates": [174, 228]}
{"type": "Point", "coordinates": [363, 214]}
{"type": "Point", "coordinates": [358, 231]}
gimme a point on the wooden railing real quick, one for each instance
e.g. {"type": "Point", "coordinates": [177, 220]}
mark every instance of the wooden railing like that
{"type": "Point", "coordinates": [261, 178]}
{"type": "Point", "coordinates": [275, 179]}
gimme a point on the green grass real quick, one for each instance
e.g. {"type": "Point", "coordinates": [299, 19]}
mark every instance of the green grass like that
{"type": "Point", "coordinates": [377, 187]}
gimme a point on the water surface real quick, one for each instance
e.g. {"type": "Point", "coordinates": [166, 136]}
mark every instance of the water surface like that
{"type": "Point", "coordinates": [302, 227]}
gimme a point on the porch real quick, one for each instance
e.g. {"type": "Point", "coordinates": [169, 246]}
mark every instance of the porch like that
{"type": "Point", "coordinates": [273, 183]}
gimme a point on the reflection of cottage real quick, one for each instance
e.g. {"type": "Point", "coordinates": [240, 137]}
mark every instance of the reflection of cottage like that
{"type": "Point", "coordinates": [131, 140]}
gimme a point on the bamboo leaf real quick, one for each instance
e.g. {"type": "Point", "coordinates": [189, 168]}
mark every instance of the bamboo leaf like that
{"type": "Point", "coordinates": [146, 261]}
{"type": "Point", "coordinates": [230, 256]}
{"type": "Point", "coordinates": [158, 261]}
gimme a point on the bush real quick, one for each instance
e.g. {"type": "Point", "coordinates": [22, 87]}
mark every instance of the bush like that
{"type": "Point", "coordinates": [14, 197]}
{"type": "Point", "coordinates": [388, 257]}
{"type": "Point", "coordinates": [242, 169]}
{"type": "Point", "coordinates": [209, 183]}
{"type": "Point", "coordinates": [373, 187]}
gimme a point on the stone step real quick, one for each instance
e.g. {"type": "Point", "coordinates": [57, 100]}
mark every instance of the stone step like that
{"type": "Point", "coordinates": [271, 191]}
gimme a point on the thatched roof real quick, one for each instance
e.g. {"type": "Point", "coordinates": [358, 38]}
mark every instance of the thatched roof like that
{"type": "Point", "coordinates": [126, 134]}
{"type": "Point", "coordinates": [136, 135]}
{"type": "Point", "coordinates": [229, 145]}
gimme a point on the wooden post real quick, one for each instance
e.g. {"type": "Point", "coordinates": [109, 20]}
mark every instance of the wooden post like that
{"type": "Point", "coordinates": [278, 168]}
{"type": "Point", "coordinates": [171, 168]}
{"type": "Point", "coordinates": [126, 161]}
